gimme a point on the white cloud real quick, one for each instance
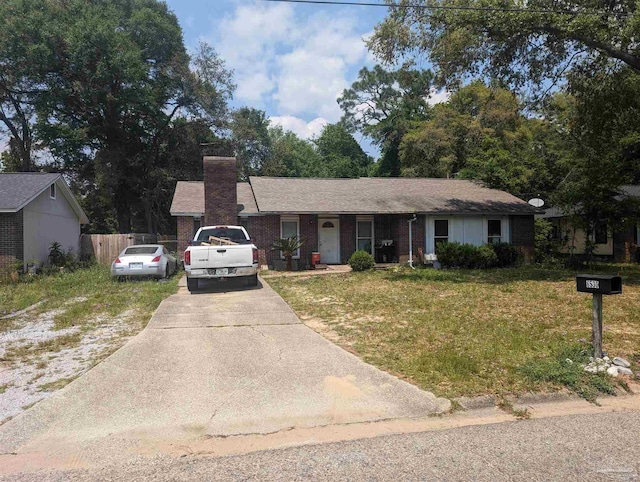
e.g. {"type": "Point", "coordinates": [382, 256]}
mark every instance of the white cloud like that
{"type": "Point", "coordinates": [296, 64]}
{"type": "Point", "coordinates": [303, 129]}
{"type": "Point", "coordinates": [437, 97]}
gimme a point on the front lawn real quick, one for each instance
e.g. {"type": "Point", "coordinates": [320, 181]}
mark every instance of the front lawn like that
{"type": "Point", "coordinates": [54, 328]}
{"type": "Point", "coordinates": [457, 332]}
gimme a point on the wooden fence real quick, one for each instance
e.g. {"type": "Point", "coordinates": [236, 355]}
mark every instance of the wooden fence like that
{"type": "Point", "coordinates": [106, 247]}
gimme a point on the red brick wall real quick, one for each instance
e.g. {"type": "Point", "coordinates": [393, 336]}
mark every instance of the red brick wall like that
{"type": "Point", "coordinates": [523, 235]}
{"type": "Point", "coordinates": [402, 239]}
{"type": "Point", "coordinates": [347, 236]}
{"type": "Point", "coordinates": [309, 235]}
{"type": "Point", "coordinates": [11, 240]}
{"type": "Point", "coordinates": [264, 230]}
{"type": "Point", "coordinates": [624, 242]}
{"type": "Point", "coordinates": [220, 190]}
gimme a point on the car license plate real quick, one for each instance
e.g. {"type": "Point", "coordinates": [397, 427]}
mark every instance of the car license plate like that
{"type": "Point", "coordinates": [222, 271]}
{"type": "Point", "coordinates": [135, 265]}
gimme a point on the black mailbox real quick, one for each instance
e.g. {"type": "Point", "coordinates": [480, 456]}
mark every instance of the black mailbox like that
{"type": "Point", "coordinates": [599, 284]}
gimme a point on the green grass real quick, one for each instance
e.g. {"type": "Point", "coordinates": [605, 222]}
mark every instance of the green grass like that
{"type": "Point", "coordinates": [104, 296]}
{"type": "Point", "coordinates": [84, 299]}
{"type": "Point", "coordinates": [458, 332]}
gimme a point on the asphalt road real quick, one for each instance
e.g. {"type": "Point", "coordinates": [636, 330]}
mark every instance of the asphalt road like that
{"type": "Point", "coordinates": [602, 447]}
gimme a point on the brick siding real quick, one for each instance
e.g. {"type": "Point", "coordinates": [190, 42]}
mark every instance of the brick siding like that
{"type": "Point", "coordinates": [523, 235]}
{"type": "Point", "coordinates": [309, 235]}
{"type": "Point", "coordinates": [402, 236]}
{"type": "Point", "coordinates": [220, 190]}
{"type": "Point", "coordinates": [264, 230]}
{"type": "Point", "coordinates": [347, 237]}
{"type": "Point", "coordinates": [624, 242]}
{"type": "Point", "coordinates": [11, 240]}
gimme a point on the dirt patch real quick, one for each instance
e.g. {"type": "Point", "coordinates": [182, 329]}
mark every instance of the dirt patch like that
{"type": "Point", "coordinates": [36, 359]}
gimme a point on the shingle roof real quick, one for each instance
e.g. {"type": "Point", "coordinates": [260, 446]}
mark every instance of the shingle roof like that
{"type": "Point", "coordinates": [17, 189]}
{"type": "Point", "coordinates": [189, 199]}
{"type": "Point", "coordinates": [382, 195]}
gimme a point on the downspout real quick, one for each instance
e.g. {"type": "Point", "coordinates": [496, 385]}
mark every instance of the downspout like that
{"type": "Point", "coordinates": [411, 221]}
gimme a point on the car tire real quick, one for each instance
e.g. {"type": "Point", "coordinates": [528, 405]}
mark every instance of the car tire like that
{"type": "Point", "coordinates": [253, 280]}
{"type": "Point", "coordinates": [192, 284]}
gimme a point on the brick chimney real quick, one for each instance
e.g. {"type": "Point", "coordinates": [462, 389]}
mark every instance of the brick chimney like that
{"type": "Point", "coordinates": [220, 190]}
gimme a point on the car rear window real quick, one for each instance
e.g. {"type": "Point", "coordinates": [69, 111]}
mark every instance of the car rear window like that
{"type": "Point", "coordinates": [230, 234]}
{"type": "Point", "coordinates": [141, 250]}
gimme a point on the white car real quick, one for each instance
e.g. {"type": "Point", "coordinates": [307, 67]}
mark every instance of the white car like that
{"type": "Point", "coordinates": [151, 260]}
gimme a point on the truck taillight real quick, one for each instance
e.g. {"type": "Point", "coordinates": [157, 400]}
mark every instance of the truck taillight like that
{"type": "Point", "coordinates": [255, 256]}
{"type": "Point", "coordinates": [156, 259]}
{"type": "Point", "coordinates": [187, 257]}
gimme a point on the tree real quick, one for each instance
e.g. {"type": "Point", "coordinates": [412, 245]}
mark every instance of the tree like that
{"type": "Point", "coordinates": [292, 156]}
{"type": "Point", "coordinates": [481, 133]}
{"type": "Point", "coordinates": [382, 104]}
{"type": "Point", "coordinates": [528, 45]}
{"type": "Point", "coordinates": [121, 76]}
{"type": "Point", "coordinates": [27, 49]}
{"type": "Point", "coordinates": [251, 141]}
{"type": "Point", "coordinates": [341, 154]}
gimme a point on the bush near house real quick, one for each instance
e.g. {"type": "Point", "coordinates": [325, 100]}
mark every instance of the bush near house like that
{"type": "Point", "coordinates": [468, 256]}
{"type": "Point", "coordinates": [361, 261]}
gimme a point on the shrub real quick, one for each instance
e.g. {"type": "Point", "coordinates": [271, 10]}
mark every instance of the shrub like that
{"type": "Point", "coordinates": [361, 261]}
{"type": "Point", "coordinates": [507, 255]}
{"type": "Point", "coordinates": [468, 256]}
{"type": "Point", "coordinates": [485, 257]}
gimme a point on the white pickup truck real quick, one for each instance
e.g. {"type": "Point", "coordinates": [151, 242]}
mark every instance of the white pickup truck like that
{"type": "Point", "coordinates": [221, 252]}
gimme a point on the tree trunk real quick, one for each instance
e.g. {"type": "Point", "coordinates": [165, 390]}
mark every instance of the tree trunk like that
{"type": "Point", "coordinates": [288, 263]}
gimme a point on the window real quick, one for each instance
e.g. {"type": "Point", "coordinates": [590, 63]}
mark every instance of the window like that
{"type": "Point", "coordinates": [52, 191]}
{"type": "Point", "coordinates": [289, 227]}
{"type": "Point", "coordinates": [600, 234]}
{"type": "Point", "coordinates": [494, 231]}
{"type": "Point", "coordinates": [364, 236]}
{"type": "Point", "coordinates": [441, 231]}
{"type": "Point", "coordinates": [231, 234]}
{"type": "Point", "coordinates": [328, 224]}
{"type": "Point", "coordinates": [141, 250]}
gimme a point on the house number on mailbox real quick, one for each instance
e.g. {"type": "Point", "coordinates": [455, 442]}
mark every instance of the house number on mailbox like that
{"type": "Point", "coordinates": [593, 284]}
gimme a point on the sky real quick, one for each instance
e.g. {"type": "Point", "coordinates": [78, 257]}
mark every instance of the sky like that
{"type": "Point", "coordinates": [291, 60]}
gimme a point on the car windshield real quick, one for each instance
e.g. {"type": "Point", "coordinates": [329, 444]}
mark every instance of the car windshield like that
{"type": "Point", "coordinates": [231, 234]}
{"type": "Point", "coordinates": [141, 250]}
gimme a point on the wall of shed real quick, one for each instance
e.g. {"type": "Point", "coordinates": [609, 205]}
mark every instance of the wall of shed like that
{"type": "Point", "coordinates": [46, 221]}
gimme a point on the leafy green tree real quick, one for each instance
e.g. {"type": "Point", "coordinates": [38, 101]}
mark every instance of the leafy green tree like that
{"type": "Point", "coordinates": [251, 141]}
{"type": "Point", "coordinates": [341, 154]}
{"type": "Point", "coordinates": [522, 44]}
{"type": "Point", "coordinates": [292, 156]}
{"type": "Point", "coordinates": [121, 77]}
{"type": "Point", "coordinates": [382, 104]}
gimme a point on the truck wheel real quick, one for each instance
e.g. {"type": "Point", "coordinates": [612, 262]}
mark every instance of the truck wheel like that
{"type": "Point", "coordinates": [192, 284]}
{"type": "Point", "coordinates": [253, 280]}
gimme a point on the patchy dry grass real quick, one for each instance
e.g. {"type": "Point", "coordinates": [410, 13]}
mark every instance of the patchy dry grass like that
{"type": "Point", "coordinates": [462, 332]}
{"type": "Point", "coordinates": [54, 328]}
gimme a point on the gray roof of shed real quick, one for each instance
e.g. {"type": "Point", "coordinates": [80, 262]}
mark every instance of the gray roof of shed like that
{"type": "Point", "coordinates": [18, 188]}
{"type": "Point", "coordinates": [382, 195]}
{"type": "Point", "coordinates": [189, 199]}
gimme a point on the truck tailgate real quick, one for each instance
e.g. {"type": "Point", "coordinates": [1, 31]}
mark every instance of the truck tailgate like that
{"type": "Point", "coordinates": [221, 256]}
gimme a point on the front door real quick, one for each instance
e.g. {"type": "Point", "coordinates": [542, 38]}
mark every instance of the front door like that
{"type": "Point", "coordinates": [329, 240]}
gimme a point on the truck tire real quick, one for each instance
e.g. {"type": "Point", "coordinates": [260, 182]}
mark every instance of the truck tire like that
{"type": "Point", "coordinates": [192, 284]}
{"type": "Point", "coordinates": [253, 280]}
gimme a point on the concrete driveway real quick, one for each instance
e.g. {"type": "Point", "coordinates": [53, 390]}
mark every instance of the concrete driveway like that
{"type": "Point", "coordinates": [213, 364]}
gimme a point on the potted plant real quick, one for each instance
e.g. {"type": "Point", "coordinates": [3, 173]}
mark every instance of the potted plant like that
{"type": "Point", "coordinates": [288, 247]}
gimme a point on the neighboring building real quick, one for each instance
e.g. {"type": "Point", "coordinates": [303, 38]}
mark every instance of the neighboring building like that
{"type": "Point", "coordinates": [335, 217]}
{"type": "Point", "coordinates": [609, 241]}
{"type": "Point", "coordinates": [36, 209]}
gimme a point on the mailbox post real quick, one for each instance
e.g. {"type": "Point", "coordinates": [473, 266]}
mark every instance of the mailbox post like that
{"type": "Point", "coordinates": [598, 285]}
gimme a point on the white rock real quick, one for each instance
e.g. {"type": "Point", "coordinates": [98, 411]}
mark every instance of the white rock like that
{"type": "Point", "coordinates": [624, 371]}
{"type": "Point", "coordinates": [606, 358]}
{"type": "Point", "coordinates": [569, 361]}
{"type": "Point", "coordinates": [621, 362]}
{"type": "Point", "coordinates": [613, 371]}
